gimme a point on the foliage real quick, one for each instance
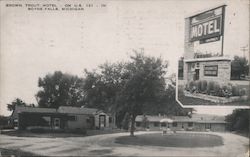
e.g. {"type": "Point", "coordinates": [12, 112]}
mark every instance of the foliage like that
{"type": "Point", "coordinates": [60, 89]}
{"type": "Point", "coordinates": [16, 102]}
{"type": "Point", "coordinates": [210, 87]}
{"type": "Point", "coordinates": [203, 86]}
{"type": "Point", "coordinates": [180, 68]}
{"type": "Point", "coordinates": [3, 120]}
{"type": "Point", "coordinates": [101, 88]}
{"type": "Point", "coordinates": [214, 88]}
{"type": "Point", "coordinates": [239, 120]}
{"type": "Point", "coordinates": [130, 88]}
{"type": "Point", "coordinates": [239, 67]}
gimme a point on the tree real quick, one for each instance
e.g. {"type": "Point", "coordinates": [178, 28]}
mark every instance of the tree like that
{"type": "Point", "coordinates": [101, 88]}
{"type": "Point", "coordinates": [180, 68]}
{"type": "Point", "coordinates": [16, 102]}
{"type": "Point", "coordinates": [131, 88]}
{"type": "Point", "coordinates": [239, 120]}
{"type": "Point", "coordinates": [239, 67]}
{"type": "Point", "coordinates": [60, 89]}
{"type": "Point", "coordinates": [143, 85]}
{"type": "Point", "coordinates": [145, 122]}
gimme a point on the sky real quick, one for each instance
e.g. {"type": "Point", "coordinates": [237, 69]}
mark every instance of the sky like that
{"type": "Point", "coordinates": [34, 43]}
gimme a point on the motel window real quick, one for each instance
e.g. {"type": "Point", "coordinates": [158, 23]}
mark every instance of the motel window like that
{"type": "Point", "coordinates": [190, 124]}
{"type": "Point", "coordinates": [163, 124]}
{"type": "Point", "coordinates": [72, 118]}
{"type": "Point", "coordinates": [57, 122]}
{"type": "Point", "coordinates": [208, 126]}
{"type": "Point", "coordinates": [174, 124]}
{"type": "Point", "coordinates": [211, 70]}
{"type": "Point", "coordinates": [138, 123]}
{"type": "Point", "coordinates": [156, 124]}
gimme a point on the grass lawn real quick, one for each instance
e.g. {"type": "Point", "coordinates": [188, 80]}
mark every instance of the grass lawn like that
{"type": "Point", "coordinates": [24, 133]}
{"type": "Point", "coordinates": [15, 153]}
{"type": "Point", "coordinates": [172, 140]}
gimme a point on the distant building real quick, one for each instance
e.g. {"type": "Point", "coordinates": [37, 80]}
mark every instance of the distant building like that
{"type": "Point", "coordinates": [197, 122]}
{"type": "Point", "coordinates": [63, 118]}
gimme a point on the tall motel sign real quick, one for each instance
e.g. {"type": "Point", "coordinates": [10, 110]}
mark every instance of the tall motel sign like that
{"type": "Point", "coordinates": [206, 27]}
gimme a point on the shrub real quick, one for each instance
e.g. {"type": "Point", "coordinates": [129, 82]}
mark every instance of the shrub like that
{"type": "Point", "coordinates": [203, 86]}
{"type": "Point", "coordinates": [198, 85]}
{"type": "Point", "coordinates": [37, 130]}
{"type": "Point", "coordinates": [192, 86]}
{"type": "Point", "coordinates": [226, 91]}
{"type": "Point", "coordinates": [235, 90]}
{"type": "Point", "coordinates": [217, 89]}
{"type": "Point", "coordinates": [210, 87]}
{"type": "Point", "coordinates": [242, 92]}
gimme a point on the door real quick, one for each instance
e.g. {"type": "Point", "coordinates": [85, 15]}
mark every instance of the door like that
{"type": "Point", "coordinates": [197, 74]}
{"type": "Point", "coordinates": [102, 121]}
{"type": "Point", "coordinates": [57, 123]}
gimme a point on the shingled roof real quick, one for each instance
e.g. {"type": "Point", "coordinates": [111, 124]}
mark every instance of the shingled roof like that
{"type": "Point", "coordinates": [198, 118]}
{"type": "Point", "coordinates": [77, 110]}
{"type": "Point", "coordinates": [22, 109]}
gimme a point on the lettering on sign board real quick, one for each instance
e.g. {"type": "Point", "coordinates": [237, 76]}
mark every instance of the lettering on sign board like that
{"type": "Point", "coordinates": [207, 25]}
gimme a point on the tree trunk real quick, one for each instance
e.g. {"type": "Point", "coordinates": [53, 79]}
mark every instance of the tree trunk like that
{"type": "Point", "coordinates": [132, 125]}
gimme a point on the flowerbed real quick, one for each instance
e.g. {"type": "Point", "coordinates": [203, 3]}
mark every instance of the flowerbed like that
{"type": "Point", "coordinates": [213, 88]}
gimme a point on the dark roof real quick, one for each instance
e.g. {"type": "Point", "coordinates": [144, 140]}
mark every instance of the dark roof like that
{"type": "Point", "coordinates": [77, 110]}
{"type": "Point", "coordinates": [150, 118]}
{"type": "Point", "coordinates": [22, 109]}
{"type": "Point", "coordinates": [198, 118]}
{"type": "Point", "coordinates": [34, 109]}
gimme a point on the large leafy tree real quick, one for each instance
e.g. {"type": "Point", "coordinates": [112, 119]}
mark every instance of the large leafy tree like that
{"type": "Point", "coordinates": [239, 67]}
{"type": "Point", "coordinates": [102, 86]}
{"type": "Point", "coordinates": [143, 85]}
{"type": "Point", "coordinates": [16, 102]}
{"type": "Point", "coordinates": [131, 88]}
{"type": "Point", "coordinates": [239, 120]}
{"type": "Point", "coordinates": [60, 89]}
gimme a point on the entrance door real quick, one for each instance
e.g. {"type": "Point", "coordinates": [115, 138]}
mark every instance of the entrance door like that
{"type": "Point", "coordinates": [57, 123]}
{"type": "Point", "coordinates": [197, 74]}
{"type": "Point", "coordinates": [102, 121]}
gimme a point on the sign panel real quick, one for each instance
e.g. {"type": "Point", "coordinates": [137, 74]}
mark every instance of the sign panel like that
{"type": "Point", "coordinates": [211, 70]}
{"type": "Point", "coordinates": [207, 25]}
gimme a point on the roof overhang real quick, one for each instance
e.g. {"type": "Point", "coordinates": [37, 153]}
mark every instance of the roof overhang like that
{"type": "Point", "coordinates": [207, 59]}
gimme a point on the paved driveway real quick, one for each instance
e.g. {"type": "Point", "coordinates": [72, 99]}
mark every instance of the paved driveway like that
{"type": "Point", "coordinates": [234, 146]}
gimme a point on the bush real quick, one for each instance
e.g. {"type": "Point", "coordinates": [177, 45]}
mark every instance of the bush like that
{"type": "Point", "coordinates": [192, 86]}
{"type": "Point", "coordinates": [226, 91]}
{"type": "Point", "coordinates": [203, 86]}
{"type": "Point", "coordinates": [210, 87]}
{"type": "Point", "coordinates": [242, 92]}
{"type": "Point", "coordinates": [37, 130]}
{"type": "Point", "coordinates": [217, 89]}
{"type": "Point", "coordinates": [198, 86]}
{"type": "Point", "coordinates": [79, 131]}
{"type": "Point", "coordinates": [235, 90]}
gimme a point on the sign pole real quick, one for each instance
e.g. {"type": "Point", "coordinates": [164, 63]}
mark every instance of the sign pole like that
{"type": "Point", "coordinates": [222, 39]}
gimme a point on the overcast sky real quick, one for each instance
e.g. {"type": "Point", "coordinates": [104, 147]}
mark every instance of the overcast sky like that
{"type": "Point", "coordinates": [35, 43]}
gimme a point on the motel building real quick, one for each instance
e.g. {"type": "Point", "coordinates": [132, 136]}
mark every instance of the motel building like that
{"type": "Point", "coordinates": [196, 122]}
{"type": "Point", "coordinates": [201, 29]}
{"type": "Point", "coordinates": [65, 118]}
